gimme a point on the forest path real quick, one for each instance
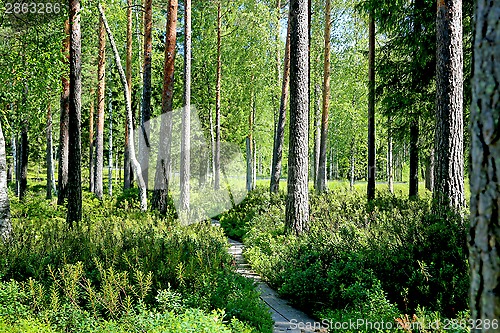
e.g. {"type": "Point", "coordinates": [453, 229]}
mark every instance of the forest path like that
{"type": "Point", "coordinates": [286, 318]}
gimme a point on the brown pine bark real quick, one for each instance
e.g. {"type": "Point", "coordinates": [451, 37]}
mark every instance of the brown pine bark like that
{"type": "Point", "coordinates": [297, 202]}
{"type": "Point", "coordinates": [448, 172]}
{"type": "Point", "coordinates": [371, 110]}
{"type": "Point", "coordinates": [163, 164]}
{"type": "Point", "coordinates": [74, 205]}
{"type": "Point", "coordinates": [484, 233]}
{"type": "Point", "coordinates": [280, 128]}
{"type": "Point", "coordinates": [101, 87]}
{"type": "Point", "coordinates": [321, 172]}
{"type": "Point", "coordinates": [62, 181]}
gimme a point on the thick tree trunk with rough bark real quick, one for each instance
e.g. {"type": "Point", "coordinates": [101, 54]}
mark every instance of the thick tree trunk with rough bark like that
{"type": "Point", "coordinates": [448, 172]}
{"type": "Point", "coordinates": [371, 110]}
{"type": "Point", "coordinates": [414, 134]}
{"type": "Point", "coordinates": [101, 89]}
{"type": "Point", "coordinates": [144, 146]}
{"type": "Point", "coordinates": [321, 172]}
{"type": "Point", "coordinates": [185, 168]}
{"type": "Point", "coordinates": [217, 100]}
{"type": "Point", "coordinates": [280, 128]}
{"type": "Point", "coordinates": [484, 234]}
{"type": "Point", "coordinates": [74, 205]}
{"type": "Point", "coordinates": [5, 225]}
{"type": "Point", "coordinates": [297, 202]}
{"type": "Point", "coordinates": [128, 107]}
{"type": "Point", "coordinates": [126, 158]}
{"type": "Point", "coordinates": [164, 161]}
{"type": "Point", "coordinates": [62, 177]}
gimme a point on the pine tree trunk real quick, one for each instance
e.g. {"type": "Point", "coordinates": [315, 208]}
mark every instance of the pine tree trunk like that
{"type": "Point", "coordinates": [484, 233]}
{"type": "Point", "coordinates": [414, 134]}
{"type": "Point", "coordinates": [429, 172]}
{"type": "Point", "coordinates": [390, 171]}
{"type": "Point", "coordinates": [110, 146]}
{"type": "Point", "coordinates": [74, 206]}
{"type": "Point", "coordinates": [144, 146]}
{"type": "Point", "coordinates": [297, 202]}
{"type": "Point", "coordinates": [163, 163]}
{"type": "Point", "coordinates": [5, 225]}
{"type": "Point", "coordinates": [135, 163]}
{"type": "Point", "coordinates": [48, 154]}
{"type": "Point", "coordinates": [371, 110]}
{"type": "Point", "coordinates": [101, 92]}
{"type": "Point", "coordinates": [91, 143]}
{"type": "Point", "coordinates": [23, 167]}
{"type": "Point", "coordinates": [321, 173]}
{"type": "Point", "coordinates": [448, 172]}
{"type": "Point", "coordinates": [62, 181]}
{"type": "Point", "coordinates": [185, 170]}
{"type": "Point", "coordinates": [217, 100]}
{"type": "Point", "coordinates": [126, 157]}
{"type": "Point", "coordinates": [280, 128]}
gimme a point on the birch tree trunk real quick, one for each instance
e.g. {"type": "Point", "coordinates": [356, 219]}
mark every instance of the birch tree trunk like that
{"type": "Point", "coordinates": [321, 171]}
{"type": "Point", "coordinates": [297, 202]}
{"type": "Point", "coordinates": [126, 157]}
{"type": "Point", "coordinates": [448, 172]}
{"type": "Point", "coordinates": [74, 205]}
{"type": "Point", "coordinates": [101, 92]}
{"type": "Point", "coordinates": [217, 100]}
{"type": "Point", "coordinates": [91, 143]}
{"type": "Point", "coordinates": [110, 146]}
{"type": "Point", "coordinates": [484, 233]}
{"type": "Point", "coordinates": [135, 163]}
{"type": "Point", "coordinates": [5, 225]}
{"type": "Point", "coordinates": [23, 167]}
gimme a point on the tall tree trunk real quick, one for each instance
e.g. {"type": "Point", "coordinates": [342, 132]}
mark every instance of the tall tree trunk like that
{"type": "Point", "coordinates": [91, 143]}
{"type": "Point", "coordinates": [280, 128]}
{"type": "Point", "coordinates": [110, 145]}
{"type": "Point", "coordinates": [321, 174]}
{"type": "Point", "coordinates": [23, 176]}
{"type": "Point", "coordinates": [101, 93]}
{"type": "Point", "coordinates": [185, 170]}
{"type": "Point", "coordinates": [164, 161]}
{"type": "Point", "coordinates": [371, 110]}
{"type": "Point", "coordinates": [15, 167]}
{"type": "Point", "coordinates": [390, 171]}
{"type": "Point", "coordinates": [429, 172]}
{"type": "Point", "coordinates": [317, 132]}
{"type": "Point", "coordinates": [297, 203]}
{"type": "Point", "coordinates": [144, 145]}
{"type": "Point", "coordinates": [254, 168]}
{"type": "Point", "coordinates": [48, 154]}
{"type": "Point", "coordinates": [62, 177]}
{"type": "Point", "coordinates": [353, 165]}
{"type": "Point", "coordinates": [414, 134]}
{"type": "Point", "coordinates": [449, 175]}
{"type": "Point", "coordinates": [249, 144]}
{"type": "Point", "coordinates": [484, 233]}
{"type": "Point", "coordinates": [135, 163]}
{"type": "Point", "coordinates": [74, 206]}
{"type": "Point", "coordinates": [249, 154]}
{"type": "Point", "coordinates": [126, 157]}
{"type": "Point", "coordinates": [217, 100]}
{"type": "Point", "coordinates": [5, 225]}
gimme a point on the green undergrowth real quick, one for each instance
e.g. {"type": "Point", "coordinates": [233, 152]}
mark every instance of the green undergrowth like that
{"type": "Point", "coordinates": [120, 270]}
{"type": "Point", "coordinates": [389, 260]}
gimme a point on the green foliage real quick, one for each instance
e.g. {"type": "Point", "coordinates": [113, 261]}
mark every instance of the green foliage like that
{"type": "Point", "coordinates": [119, 263]}
{"type": "Point", "coordinates": [383, 258]}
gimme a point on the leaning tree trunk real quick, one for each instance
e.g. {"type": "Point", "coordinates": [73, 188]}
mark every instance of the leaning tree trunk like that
{"type": "Point", "coordinates": [126, 157]}
{"type": "Point", "coordinates": [414, 134]}
{"type": "Point", "coordinates": [297, 203]}
{"type": "Point", "coordinates": [371, 110]}
{"type": "Point", "coordinates": [62, 177]}
{"type": "Point", "coordinates": [280, 128]}
{"type": "Point", "coordinates": [217, 100]}
{"type": "Point", "coordinates": [321, 171]}
{"type": "Point", "coordinates": [5, 225]}
{"type": "Point", "coordinates": [135, 163]}
{"type": "Point", "coordinates": [101, 89]}
{"type": "Point", "coordinates": [144, 145]}
{"type": "Point", "coordinates": [449, 173]}
{"type": "Point", "coordinates": [484, 235]}
{"type": "Point", "coordinates": [74, 205]}
{"type": "Point", "coordinates": [185, 170]}
{"type": "Point", "coordinates": [164, 162]}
